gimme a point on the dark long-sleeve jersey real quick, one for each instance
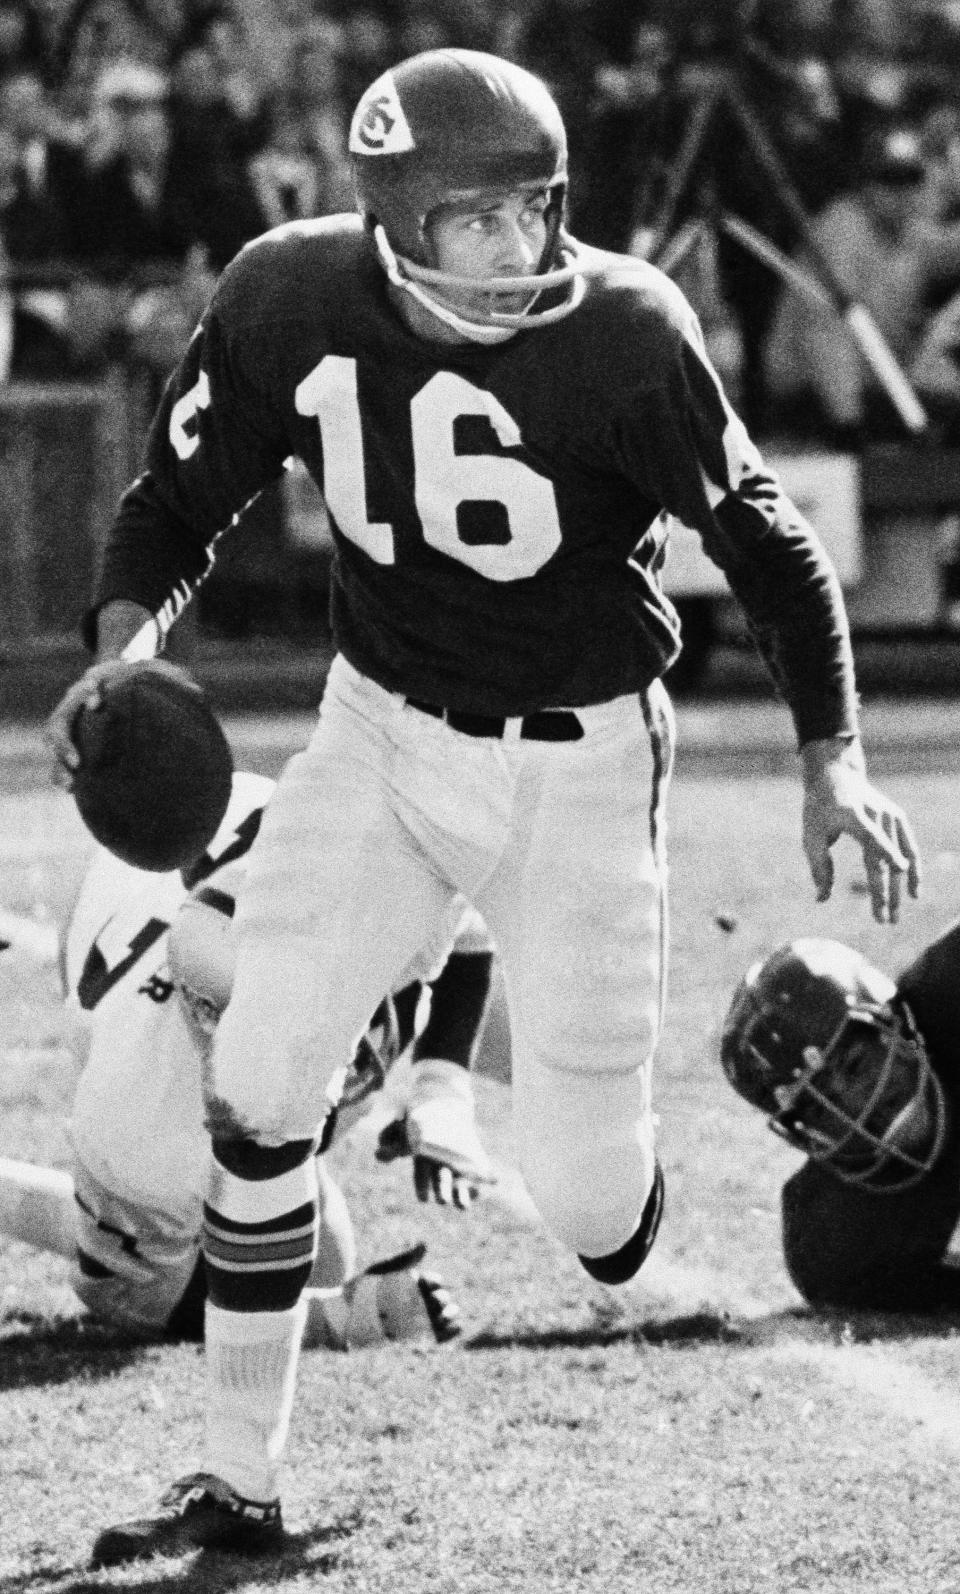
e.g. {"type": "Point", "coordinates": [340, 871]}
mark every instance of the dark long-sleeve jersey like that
{"type": "Point", "coordinates": [500, 514]}
{"type": "Point", "coordinates": [849, 1246]}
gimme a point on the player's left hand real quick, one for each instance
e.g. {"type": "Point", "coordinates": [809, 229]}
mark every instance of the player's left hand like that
{"type": "Point", "coordinates": [839, 799]}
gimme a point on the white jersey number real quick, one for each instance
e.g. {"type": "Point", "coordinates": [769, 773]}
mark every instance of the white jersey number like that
{"type": "Point", "coordinates": [443, 479]}
{"type": "Point", "coordinates": [183, 433]}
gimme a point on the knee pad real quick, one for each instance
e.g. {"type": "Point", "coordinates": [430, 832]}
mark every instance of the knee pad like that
{"type": "Point", "coordinates": [247, 1159]}
{"type": "Point", "coordinates": [624, 1264]}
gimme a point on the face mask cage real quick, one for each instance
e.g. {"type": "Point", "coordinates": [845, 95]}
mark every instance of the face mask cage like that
{"type": "Point", "coordinates": [867, 1104]}
{"type": "Point", "coordinates": [553, 291]}
{"type": "Point", "coordinates": [482, 314]}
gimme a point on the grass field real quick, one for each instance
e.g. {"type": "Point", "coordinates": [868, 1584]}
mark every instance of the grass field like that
{"type": "Point", "coordinates": [697, 1431]}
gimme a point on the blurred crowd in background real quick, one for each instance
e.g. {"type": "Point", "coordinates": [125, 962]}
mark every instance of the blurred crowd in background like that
{"type": "Point", "coordinates": [143, 142]}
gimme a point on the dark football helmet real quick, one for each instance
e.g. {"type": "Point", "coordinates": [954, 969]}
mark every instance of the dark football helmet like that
{"type": "Point", "coordinates": [819, 1040]}
{"type": "Point", "coordinates": [450, 126]}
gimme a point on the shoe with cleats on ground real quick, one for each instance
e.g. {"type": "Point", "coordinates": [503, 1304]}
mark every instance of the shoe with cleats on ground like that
{"type": "Point", "coordinates": [200, 1512]}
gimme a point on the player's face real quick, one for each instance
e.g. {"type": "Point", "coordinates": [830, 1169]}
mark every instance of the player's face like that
{"type": "Point", "coordinates": [504, 236]}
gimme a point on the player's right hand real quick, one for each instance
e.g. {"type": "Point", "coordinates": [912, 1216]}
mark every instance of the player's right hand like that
{"type": "Point", "coordinates": [88, 692]}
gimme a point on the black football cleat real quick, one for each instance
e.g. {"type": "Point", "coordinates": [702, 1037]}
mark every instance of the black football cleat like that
{"type": "Point", "coordinates": [199, 1512]}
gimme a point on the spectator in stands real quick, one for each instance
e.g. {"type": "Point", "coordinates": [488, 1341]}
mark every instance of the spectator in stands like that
{"type": "Point", "coordinates": [422, 27]}
{"type": "Point", "coordinates": [868, 234]}
{"type": "Point", "coordinates": [159, 321]}
{"type": "Point", "coordinates": [216, 129]}
{"type": "Point", "coordinates": [38, 176]}
{"type": "Point", "coordinates": [22, 41]}
{"type": "Point", "coordinates": [127, 217]}
{"type": "Point", "coordinates": [285, 177]}
{"type": "Point", "coordinates": [432, 24]}
{"type": "Point", "coordinates": [98, 33]}
{"type": "Point", "coordinates": [568, 43]}
{"type": "Point", "coordinates": [7, 307]}
{"type": "Point", "coordinates": [316, 96]}
{"type": "Point", "coordinates": [937, 225]}
{"type": "Point", "coordinates": [45, 22]}
{"type": "Point", "coordinates": [269, 28]}
{"type": "Point", "coordinates": [141, 227]}
{"type": "Point", "coordinates": [683, 55]}
{"type": "Point", "coordinates": [629, 102]}
{"type": "Point", "coordinates": [368, 46]}
{"type": "Point", "coordinates": [27, 115]}
{"type": "Point", "coordinates": [161, 217]}
{"type": "Point", "coordinates": [243, 82]}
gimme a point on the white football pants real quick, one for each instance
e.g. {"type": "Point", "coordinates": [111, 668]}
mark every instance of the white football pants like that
{"type": "Point", "coordinates": [561, 847]}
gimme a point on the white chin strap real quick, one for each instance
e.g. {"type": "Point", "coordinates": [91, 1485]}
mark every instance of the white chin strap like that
{"type": "Point", "coordinates": [499, 325]}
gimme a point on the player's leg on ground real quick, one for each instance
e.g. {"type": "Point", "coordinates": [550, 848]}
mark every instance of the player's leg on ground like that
{"type": "Point", "coordinates": [37, 1206]}
{"type": "Point", "coordinates": [578, 912]}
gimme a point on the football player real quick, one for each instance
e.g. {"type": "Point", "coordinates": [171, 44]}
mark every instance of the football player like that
{"type": "Point", "coordinates": [147, 966]}
{"type": "Point", "coordinates": [502, 422]}
{"type": "Point", "coordinates": [862, 1074]}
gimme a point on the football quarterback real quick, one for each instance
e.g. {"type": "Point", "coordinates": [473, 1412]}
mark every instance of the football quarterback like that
{"type": "Point", "coordinates": [502, 423]}
{"type": "Point", "coordinates": [862, 1075]}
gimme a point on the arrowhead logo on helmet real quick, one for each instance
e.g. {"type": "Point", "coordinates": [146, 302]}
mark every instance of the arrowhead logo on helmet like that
{"type": "Point", "coordinates": [379, 126]}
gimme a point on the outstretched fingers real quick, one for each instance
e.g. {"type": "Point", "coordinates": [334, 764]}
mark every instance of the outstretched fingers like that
{"type": "Point", "coordinates": [890, 854]}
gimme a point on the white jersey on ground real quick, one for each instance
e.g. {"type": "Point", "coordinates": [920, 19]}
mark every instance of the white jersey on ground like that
{"type": "Point", "coordinates": [137, 1128]}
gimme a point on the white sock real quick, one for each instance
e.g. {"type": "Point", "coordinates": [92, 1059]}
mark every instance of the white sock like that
{"type": "Point", "coordinates": [251, 1366]}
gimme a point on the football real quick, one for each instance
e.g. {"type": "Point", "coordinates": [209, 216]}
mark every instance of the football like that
{"type": "Point", "coordinates": [155, 769]}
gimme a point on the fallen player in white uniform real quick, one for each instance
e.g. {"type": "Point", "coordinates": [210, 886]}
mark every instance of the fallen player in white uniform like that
{"type": "Point", "coordinates": [147, 967]}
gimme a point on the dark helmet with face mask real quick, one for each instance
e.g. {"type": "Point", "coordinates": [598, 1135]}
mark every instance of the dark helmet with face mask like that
{"type": "Point", "coordinates": [450, 127]}
{"type": "Point", "coordinates": [819, 1040]}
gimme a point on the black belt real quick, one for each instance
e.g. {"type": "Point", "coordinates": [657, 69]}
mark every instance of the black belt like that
{"type": "Point", "coordinates": [548, 725]}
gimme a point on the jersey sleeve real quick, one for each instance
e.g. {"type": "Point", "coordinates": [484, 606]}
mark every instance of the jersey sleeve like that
{"type": "Point", "coordinates": [707, 473]}
{"type": "Point", "coordinates": [216, 441]}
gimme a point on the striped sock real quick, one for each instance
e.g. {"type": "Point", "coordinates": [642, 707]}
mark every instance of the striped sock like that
{"type": "Point", "coordinates": [259, 1243]}
{"type": "Point", "coordinates": [260, 1237]}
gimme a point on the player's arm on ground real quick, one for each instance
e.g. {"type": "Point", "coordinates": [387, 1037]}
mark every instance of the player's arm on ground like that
{"type": "Point", "coordinates": [438, 1128]}
{"type": "Point", "coordinates": [394, 1299]}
